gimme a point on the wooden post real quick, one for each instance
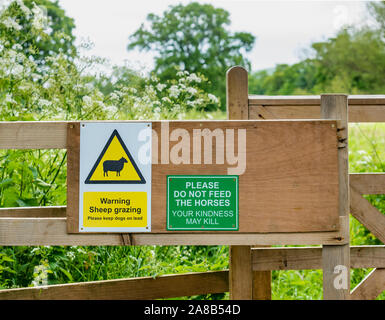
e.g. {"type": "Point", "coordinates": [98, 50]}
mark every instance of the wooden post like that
{"type": "Point", "coordinates": [244, 284]}
{"type": "Point", "coordinates": [336, 259]}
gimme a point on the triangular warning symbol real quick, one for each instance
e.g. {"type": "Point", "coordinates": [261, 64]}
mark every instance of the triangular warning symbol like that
{"type": "Point", "coordinates": [115, 165]}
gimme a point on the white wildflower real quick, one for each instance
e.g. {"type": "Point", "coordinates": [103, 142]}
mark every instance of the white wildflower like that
{"type": "Point", "coordinates": [194, 78]}
{"type": "Point", "coordinates": [23, 8]}
{"type": "Point", "coordinates": [166, 99]}
{"type": "Point", "coordinates": [212, 98]}
{"type": "Point", "coordinates": [114, 96]}
{"type": "Point", "coordinates": [160, 86]}
{"type": "Point", "coordinates": [17, 46]}
{"type": "Point", "coordinates": [192, 91]}
{"type": "Point", "coordinates": [111, 109]}
{"type": "Point", "coordinates": [40, 274]}
{"type": "Point", "coordinates": [40, 19]}
{"type": "Point", "coordinates": [44, 103]}
{"type": "Point", "coordinates": [11, 24]}
{"type": "Point", "coordinates": [174, 91]}
{"type": "Point", "coordinates": [87, 100]}
{"type": "Point", "coordinates": [70, 255]}
{"type": "Point", "coordinates": [9, 99]}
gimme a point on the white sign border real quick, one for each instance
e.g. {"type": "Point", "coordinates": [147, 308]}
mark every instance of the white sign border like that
{"type": "Point", "coordinates": [104, 130]}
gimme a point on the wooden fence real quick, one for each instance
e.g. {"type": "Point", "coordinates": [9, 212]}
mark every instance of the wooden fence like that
{"type": "Point", "coordinates": [249, 276]}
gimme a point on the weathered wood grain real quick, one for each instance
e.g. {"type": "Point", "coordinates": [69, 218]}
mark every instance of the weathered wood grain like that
{"type": "Point", "coordinates": [290, 183]}
{"type": "Point", "coordinates": [52, 231]}
{"type": "Point", "coordinates": [73, 169]}
{"type": "Point", "coordinates": [240, 273]}
{"type": "Point", "coordinates": [33, 135]}
{"type": "Point", "coordinates": [34, 212]}
{"type": "Point", "coordinates": [168, 286]}
{"type": "Point", "coordinates": [368, 183]}
{"type": "Point", "coordinates": [371, 286]}
{"type": "Point", "coordinates": [335, 106]}
{"type": "Point", "coordinates": [357, 113]}
{"type": "Point", "coordinates": [368, 215]}
{"type": "Point", "coordinates": [311, 258]}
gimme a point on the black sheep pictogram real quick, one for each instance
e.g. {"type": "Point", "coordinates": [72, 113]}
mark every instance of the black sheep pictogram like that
{"type": "Point", "coordinates": [113, 165]}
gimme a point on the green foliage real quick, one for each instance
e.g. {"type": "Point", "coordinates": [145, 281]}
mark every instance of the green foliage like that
{"type": "Point", "coordinates": [39, 27]}
{"type": "Point", "coordinates": [351, 62]}
{"type": "Point", "coordinates": [194, 37]}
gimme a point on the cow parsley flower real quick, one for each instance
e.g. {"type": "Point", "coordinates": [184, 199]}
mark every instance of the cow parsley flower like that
{"type": "Point", "coordinates": [212, 98]}
{"type": "Point", "coordinates": [193, 78]}
{"type": "Point", "coordinates": [11, 23]}
{"type": "Point", "coordinates": [174, 91]}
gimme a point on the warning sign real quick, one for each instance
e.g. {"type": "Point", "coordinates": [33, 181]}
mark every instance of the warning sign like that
{"type": "Point", "coordinates": [115, 183]}
{"type": "Point", "coordinates": [115, 164]}
{"type": "Point", "coordinates": [107, 209]}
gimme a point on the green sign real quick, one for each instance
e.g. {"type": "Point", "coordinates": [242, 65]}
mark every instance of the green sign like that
{"type": "Point", "coordinates": [202, 203]}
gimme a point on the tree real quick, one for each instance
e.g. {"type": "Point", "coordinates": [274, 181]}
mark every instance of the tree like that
{"type": "Point", "coordinates": [195, 38]}
{"type": "Point", "coordinates": [353, 61]}
{"type": "Point", "coordinates": [18, 28]}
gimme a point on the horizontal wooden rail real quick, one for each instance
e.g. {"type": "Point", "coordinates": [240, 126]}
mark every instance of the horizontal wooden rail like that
{"type": "Point", "coordinates": [364, 183]}
{"type": "Point", "coordinates": [368, 183]}
{"type": "Point", "coordinates": [361, 108]}
{"type": "Point", "coordinates": [311, 258]}
{"type": "Point", "coordinates": [52, 231]}
{"type": "Point", "coordinates": [167, 286]}
{"type": "Point", "coordinates": [308, 100]}
{"type": "Point", "coordinates": [33, 135]}
{"type": "Point", "coordinates": [34, 212]}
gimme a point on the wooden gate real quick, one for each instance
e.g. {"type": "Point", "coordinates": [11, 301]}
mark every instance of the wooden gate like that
{"type": "Point", "coordinates": [249, 276]}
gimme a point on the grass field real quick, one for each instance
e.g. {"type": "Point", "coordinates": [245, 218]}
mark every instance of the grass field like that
{"type": "Point", "coordinates": [74, 264]}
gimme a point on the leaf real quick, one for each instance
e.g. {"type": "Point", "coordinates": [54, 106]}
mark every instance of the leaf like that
{"type": "Point", "coordinates": [34, 172]}
{"type": "Point", "coordinates": [42, 183]}
{"type": "Point", "coordinates": [6, 182]}
{"type": "Point", "coordinates": [66, 273]}
{"type": "Point", "coordinates": [6, 258]}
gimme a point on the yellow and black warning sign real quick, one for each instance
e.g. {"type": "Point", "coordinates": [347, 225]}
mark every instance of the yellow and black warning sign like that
{"type": "Point", "coordinates": [114, 178]}
{"type": "Point", "coordinates": [115, 209]}
{"type": "Point", "coordinates": [115, 164]}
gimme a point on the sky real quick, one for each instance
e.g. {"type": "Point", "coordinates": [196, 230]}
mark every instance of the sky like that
{"type": "Point", "coordinates": [284, 30]}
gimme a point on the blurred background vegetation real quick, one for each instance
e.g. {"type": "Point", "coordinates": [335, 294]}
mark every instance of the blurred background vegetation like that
{"type": "Point", "coordinates": [43, 76]}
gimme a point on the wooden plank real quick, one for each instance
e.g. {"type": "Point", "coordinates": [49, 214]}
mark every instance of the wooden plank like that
{"type": "Point", "coordinates": [240, 273]}
{"type": "Point", "coordinates": [237, 94]}
{"type": "Point", "coordinates": [336, 107]}
{"type": "Point", "coordinates": [52, 231]}
{"type": "Point", "coordinates": [368, 215]}
{"type": "Point", "coordinates": [367, 113]}
{"type": "Point", "coordinates": [311, 258]}
{"type": "Point", "coordinates": [34, 212]}
{"type": "Point", "coordinates": [357, 113]}
{"type": "Point", "coordinates": [145, 288]}
{"type": "Point", "coordinates": [237, 109]}
{"type": "Point", "coordinates": [261, 285]}
{"type": "Point", "coordinates": [313, 100]}
{"type": "Point", "coordinates": [284, 112]}
{"type": "Point", "coordinates": [33, 135]}
{"type": "Point", "coordinates": [371, 286]}
{"type": "Point", "coordinates": [73, 169]}
{"type": "Point", "coordinates": [368, 183]}
{"type": "Point", "coordinates": [300, 167]}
